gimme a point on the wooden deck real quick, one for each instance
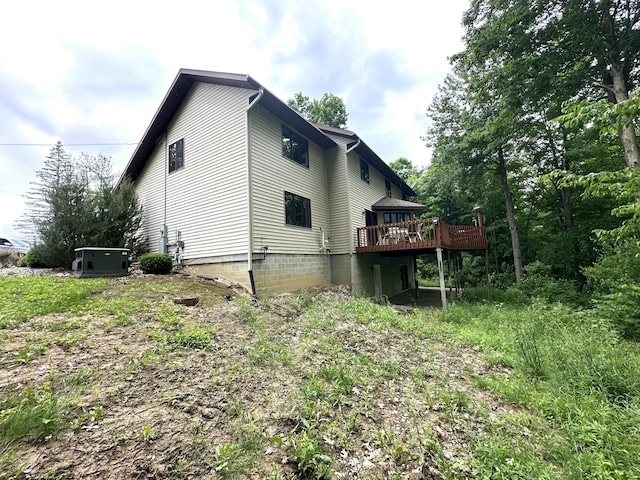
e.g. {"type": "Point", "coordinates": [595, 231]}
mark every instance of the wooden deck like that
{"type": "Point", "coordinates": [420, 235]}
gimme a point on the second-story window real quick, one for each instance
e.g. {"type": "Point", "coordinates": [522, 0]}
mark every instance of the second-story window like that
{"type": "Point", "coordinates": [295, 147]}
{"type": "Point", "coordinates": [387, 187]}
{"type": "Point", "coordinates": [176, 155]}
{"type": "Point", "coordinates": [364, 171]}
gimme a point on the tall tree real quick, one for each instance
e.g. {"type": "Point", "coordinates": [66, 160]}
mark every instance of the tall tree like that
{"type": "Point", "coordinates": [57, 165]}
{"type": "Point", "coordinates": [330, 110]}
{"type": "Point", "coordinates": [77, 205]}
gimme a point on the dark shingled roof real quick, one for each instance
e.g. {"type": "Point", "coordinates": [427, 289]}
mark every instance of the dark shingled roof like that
{"type": "Point", "coordinates": [387, 203]}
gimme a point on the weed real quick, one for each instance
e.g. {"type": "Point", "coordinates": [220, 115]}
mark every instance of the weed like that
{"type": "Point", "coordinates": [311, 460]}
{"type": "Point", "coordinates": [66, 342]}
{"type": "Point", "coordinates": [192, 337]}
{"type": "Point", "coordinates": [146, 434]}
{"type": "Point", "coordinates": [341, 380]}
{"type": "Point", "coordinates": [28, 353]}
{"type": "Point", "coordinates": [34, 414]}
{"type": "Point", "coordinates": [96, 414]}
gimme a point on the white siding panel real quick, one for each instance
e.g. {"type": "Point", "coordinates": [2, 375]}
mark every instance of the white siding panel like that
{"type": "Point", "coordinates": [207, 199]}
{"type": "Point", "coordinates": [274, 174]}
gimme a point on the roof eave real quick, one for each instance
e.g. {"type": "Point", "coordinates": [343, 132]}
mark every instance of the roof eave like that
{"type": "Point", "coordinates": [176, 94]}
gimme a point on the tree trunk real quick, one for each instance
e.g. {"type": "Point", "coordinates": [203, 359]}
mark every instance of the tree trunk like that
{"type": "Point", "coordinates": [511, 218]}
{"type": "Point", "coordinates": [627, 131]}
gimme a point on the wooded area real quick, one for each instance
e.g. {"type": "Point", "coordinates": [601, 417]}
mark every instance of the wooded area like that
{"type": "Point", "coordinates": [537, 125]}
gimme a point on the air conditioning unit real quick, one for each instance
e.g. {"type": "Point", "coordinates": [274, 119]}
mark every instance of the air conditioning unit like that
{"type": "Point", "coordinates": [101, 262]}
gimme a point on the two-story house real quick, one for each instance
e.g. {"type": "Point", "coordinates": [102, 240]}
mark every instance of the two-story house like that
{"type": "Point", "coordinates": [239, 186]}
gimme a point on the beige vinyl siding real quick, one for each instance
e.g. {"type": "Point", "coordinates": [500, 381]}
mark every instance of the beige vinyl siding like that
{"type": "Point", "coordinates": [207, 199]}
{"type": "Point", "coordinates": [338, 196]}
{"type": "Point", "coordinates": [150, 190]}
{"type": "Point", "coordinates": [272, 175]}
{"type": "Point", "coordinates": [363, 194]}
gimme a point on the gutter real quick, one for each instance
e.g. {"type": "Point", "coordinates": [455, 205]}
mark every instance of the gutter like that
{"type": "Point", "coordinates": [250, 192]}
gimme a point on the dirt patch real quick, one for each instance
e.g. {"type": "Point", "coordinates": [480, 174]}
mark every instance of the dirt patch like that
{"type": "Point", "coordinates": [238, 397]}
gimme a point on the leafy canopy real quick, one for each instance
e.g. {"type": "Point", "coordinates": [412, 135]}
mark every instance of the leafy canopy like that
{"type": "Point", "coordinates": [330, 110]}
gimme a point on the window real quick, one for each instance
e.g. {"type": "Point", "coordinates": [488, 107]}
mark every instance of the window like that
{"type": "Point", "coordinates": [295, 147]}
{"type": "Point", "coordinates": [404, 196]}
{"type": "Point", "coordinates": [176, 155]}
{"type": "Point", "coordinates": [297, 210]}
{"type": "Point", "coordinates": [364, 170]}
{"type": "Point", "coordinates": [387, 187]}
{"type": "Point", "coordinates": [397, 217]}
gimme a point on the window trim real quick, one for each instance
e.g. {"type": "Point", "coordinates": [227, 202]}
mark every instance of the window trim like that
{"type": "Point", "coordinates": [304, 214]}
{"type": "Point", "coordinates": [364, 171]}
{"type": "Point", "coordinates": [178, 164]}
{"type": "Point", "coordinates": [297, 139]}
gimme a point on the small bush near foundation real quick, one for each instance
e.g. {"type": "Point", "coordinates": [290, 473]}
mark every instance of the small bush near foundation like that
{"type": "Point", "coordinates": [157, 263]}
{"type": "Point", "coordinates": [32, 259]}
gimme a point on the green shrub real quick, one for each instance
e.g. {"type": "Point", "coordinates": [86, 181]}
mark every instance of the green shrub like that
{"type": "Point", "coordinates": [615, 281]}
{"type": "Point", "coordinates": [157, 263]}
{"type": "Point", "coordinates": [32, 259]}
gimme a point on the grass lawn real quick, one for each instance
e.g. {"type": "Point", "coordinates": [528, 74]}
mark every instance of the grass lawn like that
{"type": "Point", "coordinates": [111, 379]}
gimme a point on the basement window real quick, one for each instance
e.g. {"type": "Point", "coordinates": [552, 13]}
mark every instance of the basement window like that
{"type": "Point", "coordinates": [176, 155]}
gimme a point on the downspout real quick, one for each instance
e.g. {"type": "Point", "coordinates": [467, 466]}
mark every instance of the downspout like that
{"type": "Point", "coordinates": [250, 193]}
{"type": "Point", "coordinates": [352, 259]}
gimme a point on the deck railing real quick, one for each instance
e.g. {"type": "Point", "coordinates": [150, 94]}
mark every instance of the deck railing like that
{"type": "Point", "coordinates": [424, 234]}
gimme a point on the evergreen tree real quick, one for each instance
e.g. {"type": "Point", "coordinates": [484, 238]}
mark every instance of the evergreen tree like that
{"type": "Point", "coordinates": [76, 204]}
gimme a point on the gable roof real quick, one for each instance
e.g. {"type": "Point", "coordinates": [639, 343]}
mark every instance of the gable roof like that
{"type": "Point", "coordinates": [314, 132]}
{"type": "Point", "coordinates": [370, 156]}
{"type": "Point", "coordinates": [177, 93]}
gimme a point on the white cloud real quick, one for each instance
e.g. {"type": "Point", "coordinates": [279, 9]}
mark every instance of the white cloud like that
{"type": "Point", "coordinates": [86, 72]}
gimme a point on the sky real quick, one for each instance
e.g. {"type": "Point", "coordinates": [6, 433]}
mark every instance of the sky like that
{"type": "Point", "coordinates": [93, 74]}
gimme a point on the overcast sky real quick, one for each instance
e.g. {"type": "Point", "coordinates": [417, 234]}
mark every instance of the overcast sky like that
{"type": "Point", "coordinates": [95, 73]}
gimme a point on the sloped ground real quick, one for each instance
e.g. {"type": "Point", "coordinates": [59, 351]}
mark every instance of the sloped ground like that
{"type": "Point", "coordinates": [312, 385]}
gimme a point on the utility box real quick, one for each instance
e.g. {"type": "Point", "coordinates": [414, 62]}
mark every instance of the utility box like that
{"type": "Point", "coordinates": [101, 262]}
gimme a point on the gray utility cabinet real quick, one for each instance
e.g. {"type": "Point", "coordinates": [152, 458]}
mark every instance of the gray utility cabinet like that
{"type": "Point", "coordinates": [101, 262]}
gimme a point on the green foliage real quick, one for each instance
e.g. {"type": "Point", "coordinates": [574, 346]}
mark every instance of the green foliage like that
{"type": "Point", "coordinates": [34, 414]}
{"type": "Point", "coordinates": [24, 298]}
{"type": "Point", "coordinates": [312, 462]}
{"type": "Point", "coordinates": [156, 263]}
{"type": "Point", "coordinates": [615, 280]}
{"type": "Point", "coordinates": [330, 110]}
{"type": "Point", "coordinates": [32, 258]}
{"type": "Point", "coordinates": [570, 368]}
{"type": "Point", "coordinates": [622, 185]}
{"type": "Point", "coordinates": [540, 283]}
{"type": "Point", "coordinates": [604, 117]}
{"type": "Point", "coordinates": [75, 204]}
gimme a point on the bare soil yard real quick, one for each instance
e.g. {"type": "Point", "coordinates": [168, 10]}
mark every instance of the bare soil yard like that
{"type": "Point", "coordinates": [310, 385]}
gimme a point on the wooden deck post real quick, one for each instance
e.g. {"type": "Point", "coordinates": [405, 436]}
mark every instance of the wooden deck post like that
{"type": "Point", "coordinates": [443, 291]}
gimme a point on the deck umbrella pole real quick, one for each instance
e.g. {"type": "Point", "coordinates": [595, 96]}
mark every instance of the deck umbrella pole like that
{"type": "Point", "coordinates": [443, 291]}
